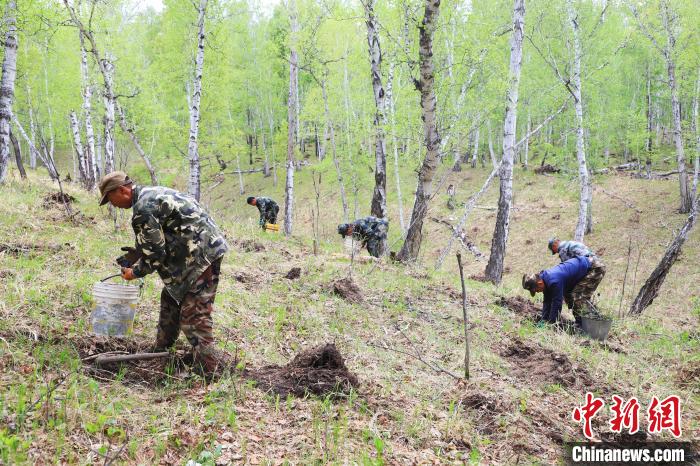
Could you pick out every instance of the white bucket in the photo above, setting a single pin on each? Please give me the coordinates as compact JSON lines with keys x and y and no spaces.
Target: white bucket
{"x":114,"y":309}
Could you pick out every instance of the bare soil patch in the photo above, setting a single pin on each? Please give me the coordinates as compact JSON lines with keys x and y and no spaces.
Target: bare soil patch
{"x":250,"y":245}
{"x":689,"y":376}
{"x":485,"y":409}
{"x":317,"y":371}
{"x":521,"y":306}
{"x":478,"y":277}
{"x":347,"y":289}
{"x":243,"y":277}
{"x":56,"y":199}
{"x":294,"y":273}
{"x":541,"y":366}
{"x":546,"y":168}
{"x":26,"y":248}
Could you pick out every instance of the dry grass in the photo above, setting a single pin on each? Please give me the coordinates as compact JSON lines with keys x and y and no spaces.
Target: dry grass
{"x":403,"y":411}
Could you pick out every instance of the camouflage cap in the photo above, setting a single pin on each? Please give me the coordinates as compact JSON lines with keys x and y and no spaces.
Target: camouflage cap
{"x":530,"y":282}
{"x":343,"y":229}
{"x":110,"y":182}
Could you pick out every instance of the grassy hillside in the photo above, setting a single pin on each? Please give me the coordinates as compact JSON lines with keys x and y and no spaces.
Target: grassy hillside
{"x":525,"y":380}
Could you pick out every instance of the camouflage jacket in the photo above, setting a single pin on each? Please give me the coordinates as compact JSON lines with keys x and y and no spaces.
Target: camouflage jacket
{"x":570,"y":249}
{"x":368,"y":228}
{"x":266,"y":206}
{"x":176,"y":237}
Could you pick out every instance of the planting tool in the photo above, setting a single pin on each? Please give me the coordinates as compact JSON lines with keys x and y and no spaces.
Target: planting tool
{"x":107,"y":358}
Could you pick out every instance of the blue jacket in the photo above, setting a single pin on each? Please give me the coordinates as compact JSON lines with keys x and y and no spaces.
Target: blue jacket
{"x":560,"y":280}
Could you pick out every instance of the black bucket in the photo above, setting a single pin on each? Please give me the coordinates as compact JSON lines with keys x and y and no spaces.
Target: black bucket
{"x":596,"y":327}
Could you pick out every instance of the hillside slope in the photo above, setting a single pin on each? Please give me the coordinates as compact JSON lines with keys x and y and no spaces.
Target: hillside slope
{"x":402,"y":340}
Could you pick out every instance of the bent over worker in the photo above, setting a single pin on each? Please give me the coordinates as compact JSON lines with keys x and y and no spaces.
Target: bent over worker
{"x":178,"y":239}
{"x":570,"y":249}
{"x":370,"y":231}
{"x":573,"y":281}
{"x":267,"y":207}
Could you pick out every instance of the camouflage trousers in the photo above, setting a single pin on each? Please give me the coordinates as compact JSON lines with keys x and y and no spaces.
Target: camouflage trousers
{"x":582,"y":293}
{"x":193,"y":317}
{"x":270,"y":216}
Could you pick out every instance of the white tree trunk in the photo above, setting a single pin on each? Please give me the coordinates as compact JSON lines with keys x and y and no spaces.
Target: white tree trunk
{"x":291,"y":123}
{"x":494,"y":268}
{"x":696,"y":167}
{"x":585,"y":187}
{"x":392,"y":111}
{"x":193,"y":184}
{"x":91,"y":165}
{"x":331,"y":128}
{"x":272,"y":148}
{"x":78,"y":146}
{"x":526,"y":150}
{"x":424,"y":191}
{"x":49,"y":166}
{"x":378,"y":207}
{"x":669,"y":19}
{"x":33,"y":155}
{"x":137,"y":145}
{"x":475,"y":154}
{"x":7,"y":86}
{"x":494,"y":161}
{"x":108,"y":70}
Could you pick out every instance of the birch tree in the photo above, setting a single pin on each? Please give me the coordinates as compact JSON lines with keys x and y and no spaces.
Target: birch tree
{"x":90,"y":158}
{"x":494,"y":268}
{"x":575,"y":88}
{"x":193,"y":184}
{"x":426,"y":86}
{"x":669,"y":21}
{"x":291,"y":122}
{"x":375,"y":58}
{"x":78,"y":146}
{"x":108,"y":96}
{"x":7,"y":86}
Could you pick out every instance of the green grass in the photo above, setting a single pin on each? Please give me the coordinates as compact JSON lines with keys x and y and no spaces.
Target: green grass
{"x":51,"y":411}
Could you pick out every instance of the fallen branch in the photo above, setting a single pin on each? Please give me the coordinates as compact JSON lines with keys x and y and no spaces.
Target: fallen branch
{"x":461,"y":235}
{"x":466,"y":320}
{"x":468,"y":207}
{"x":615,"y":196}
{"x":103,"y":359}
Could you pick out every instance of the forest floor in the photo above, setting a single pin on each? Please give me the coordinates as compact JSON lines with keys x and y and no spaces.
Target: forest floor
{"x":401,"y":335}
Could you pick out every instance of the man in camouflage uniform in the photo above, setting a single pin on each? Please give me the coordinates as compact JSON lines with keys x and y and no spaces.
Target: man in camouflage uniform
{"x":267,"y":207}
{"x":370,"y":231}
{"x":176,"y":238}
{"x":582,"y":294}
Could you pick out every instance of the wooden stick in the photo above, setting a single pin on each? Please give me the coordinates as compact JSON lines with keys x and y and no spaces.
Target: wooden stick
{"x":466,"y":320}
{"x":109,"y":358}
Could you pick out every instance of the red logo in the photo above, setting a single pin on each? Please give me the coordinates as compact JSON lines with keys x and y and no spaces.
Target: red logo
{"x":626,"y":415}
{"x":587,"y":412}
{"x":665,"y":415}
{"x":661,"y":415}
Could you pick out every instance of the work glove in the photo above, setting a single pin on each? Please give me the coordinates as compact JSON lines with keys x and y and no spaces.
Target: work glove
{"x":130,"y":258}
{"x":128,"y":273}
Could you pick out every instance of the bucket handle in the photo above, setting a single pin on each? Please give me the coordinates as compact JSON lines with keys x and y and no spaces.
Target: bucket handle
{"x":141,"y":283}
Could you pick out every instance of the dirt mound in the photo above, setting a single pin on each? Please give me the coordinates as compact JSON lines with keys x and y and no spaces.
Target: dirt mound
{"x":294,"y":273}
{"x":347,"y":289}
{"x":318,"y":371}
{"x":250,"y":245}
{"x":243,"y":277}
{"x":485,"y":410}
{"x":521,"y":306}
{"x":546,"y":168}
{"x":542,"y":366}
{"x":479,"y":278}
{"x":689,"y":376}
{"x":57,"y":198}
